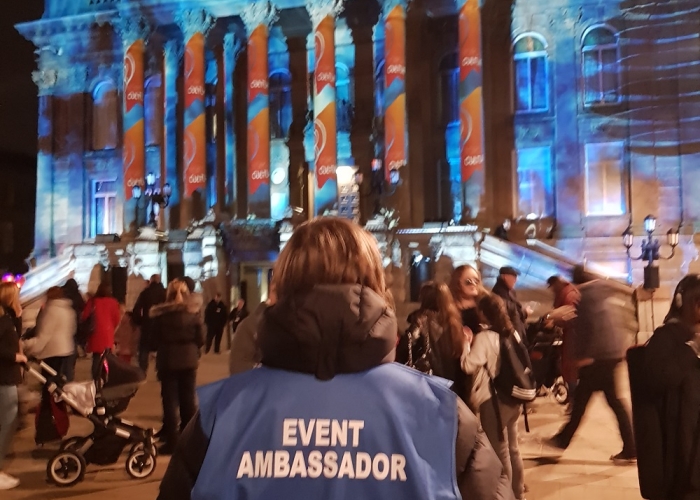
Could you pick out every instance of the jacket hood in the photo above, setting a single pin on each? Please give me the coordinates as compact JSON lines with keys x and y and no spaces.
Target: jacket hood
{"x":330,"y":330}
{"x":168,"y":307}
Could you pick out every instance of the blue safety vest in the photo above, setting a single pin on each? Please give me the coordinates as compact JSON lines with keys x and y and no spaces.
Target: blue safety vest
{"x":386,"y":433}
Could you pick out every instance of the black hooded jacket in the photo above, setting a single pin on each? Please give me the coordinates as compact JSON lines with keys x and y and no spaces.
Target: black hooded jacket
{"x":336,"y":329}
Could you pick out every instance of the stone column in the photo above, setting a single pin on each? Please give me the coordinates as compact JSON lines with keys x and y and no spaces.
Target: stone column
{"x":395,"y":128}
{"x":133,"y":32}
{"x":470,"y":107}
{"x":323,"y":14}
{"x":45,"y":79}
{"x":194,"y":24}
{"x":232,"y":47}
{"x":172,"y":54}
{"x":257,"y":17}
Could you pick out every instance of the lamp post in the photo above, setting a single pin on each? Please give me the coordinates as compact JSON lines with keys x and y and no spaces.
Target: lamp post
{"x":157,"y":195}
{"x":651,"y":250}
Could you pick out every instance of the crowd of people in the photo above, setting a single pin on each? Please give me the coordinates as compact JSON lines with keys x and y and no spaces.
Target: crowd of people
{"x":315,"y":393}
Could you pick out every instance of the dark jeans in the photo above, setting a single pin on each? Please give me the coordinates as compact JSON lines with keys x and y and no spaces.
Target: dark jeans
{"x":600,"y":376}
{"x":177,"y":389}
{"x":144,"y":353}
{"x":214,"y":334}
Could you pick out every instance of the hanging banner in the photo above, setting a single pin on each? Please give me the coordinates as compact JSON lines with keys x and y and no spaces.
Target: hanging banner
{"x":470,"y":90}
{"x":194,"y":149}
{"x":325,"y":137}
{"x":258,"y":124}
{"x":133,"y":151}
{"x":395,"y":90}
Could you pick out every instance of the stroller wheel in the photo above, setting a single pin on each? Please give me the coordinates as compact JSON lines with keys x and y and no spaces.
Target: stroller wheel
{"x":560,"y":390}
{"x":72,"y":443}
{"x":142,"y":446}
{"x":66,"y":468}
{"x":140,"y":464}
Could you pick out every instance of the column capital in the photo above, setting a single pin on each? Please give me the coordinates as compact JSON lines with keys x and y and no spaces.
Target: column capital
{"x":131,"y":28}
{"x":45,"y":80}
{"x":193,"y":21}
{"x":319,"y":9}
{"x":257,"y":13}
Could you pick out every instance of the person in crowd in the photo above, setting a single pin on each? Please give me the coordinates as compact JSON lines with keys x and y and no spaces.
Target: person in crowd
{"x":502,"y":230}
{"x":238,"y":314}
{"x":11,"y":359}
{"x":177,"y":335}
{"x":466,"y":286}
{"x":565,"y":295}
{"x":126,"y":338}
{"x":152,"y":295}
{"x":505,"y":289}
{"x":498,"y":417}
{"x":54,"y":340}
{"x":196,"y":299}
{"x":666,"y":400}
{"x":245,"y":354}
{"x":328,"y":399}
{"x":72,"y":293}
{"x":598,"y":348}
{"x":215,"y":318}
{"x":105,"y":310}
{"x":438,"y":324}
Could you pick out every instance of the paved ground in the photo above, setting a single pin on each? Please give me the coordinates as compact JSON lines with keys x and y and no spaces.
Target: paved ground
{"x":583,"y":471}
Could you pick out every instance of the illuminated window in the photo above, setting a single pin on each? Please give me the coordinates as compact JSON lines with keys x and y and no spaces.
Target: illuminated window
{"x":104,"y":206}
{"x":449,"y":89}
{"x":535,"y":195}
{"x":105,"y":114}
{"x":605,"y":165}
{"x":531,"y":73}
{"x":600,"y":67}
{"x":280,"y":104}
{"x":344,"y":98}
{"x":153,"y":111}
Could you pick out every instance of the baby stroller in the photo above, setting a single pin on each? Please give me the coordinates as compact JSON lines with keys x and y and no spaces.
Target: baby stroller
{"x":100,"y":401}
{"x":545,"y":354}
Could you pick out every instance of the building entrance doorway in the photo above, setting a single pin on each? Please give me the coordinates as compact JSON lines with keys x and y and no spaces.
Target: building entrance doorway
{"x":255,"y":283}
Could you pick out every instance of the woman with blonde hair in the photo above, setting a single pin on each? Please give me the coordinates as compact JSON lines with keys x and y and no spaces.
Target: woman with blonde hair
{"x":11,"y":359}
{"x":177,"y":336}
{"x":328,"y":401}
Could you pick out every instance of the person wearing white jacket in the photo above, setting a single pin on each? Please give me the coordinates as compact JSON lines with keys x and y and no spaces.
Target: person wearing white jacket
{"x":54,"y":343}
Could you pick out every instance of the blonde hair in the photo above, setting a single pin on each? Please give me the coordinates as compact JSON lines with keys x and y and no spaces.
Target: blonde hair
{"x":329,"y":251}
{"x":9,"y":297}
{"x":177,"y":292}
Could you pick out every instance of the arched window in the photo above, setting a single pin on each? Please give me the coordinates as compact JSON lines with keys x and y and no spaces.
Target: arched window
{"x":600,"y":66}
{"x":153,"y":111}
{"x":343,"y":98}
{"x":280,"y":104}
{"x":449,"y":89}
{"x":105,"y":113}
{"x":531,"y":73}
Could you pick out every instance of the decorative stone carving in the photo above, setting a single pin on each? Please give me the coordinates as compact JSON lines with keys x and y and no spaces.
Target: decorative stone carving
{"x":45,"y":79}
{"x":194,"y":21}
{"x":257,"y":13}
{"x":131,"y":28}
{"x":319,"y":9}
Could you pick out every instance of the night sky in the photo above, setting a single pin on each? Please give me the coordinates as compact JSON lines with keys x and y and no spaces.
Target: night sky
{"x":18,"y":94}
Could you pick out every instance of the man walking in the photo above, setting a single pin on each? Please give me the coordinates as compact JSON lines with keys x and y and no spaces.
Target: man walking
{"x":598,"y":348}
{"x":505,"y":288}
{"x":215,"y":318}
{"x":152,"y":295}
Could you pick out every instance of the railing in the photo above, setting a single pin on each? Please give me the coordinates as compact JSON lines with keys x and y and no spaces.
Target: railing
{"x":51,"y":273}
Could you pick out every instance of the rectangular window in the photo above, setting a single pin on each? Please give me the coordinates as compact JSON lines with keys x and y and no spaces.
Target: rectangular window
{"x":605,"y":177}
{"x":104,"y":207}
{"x":535,"y":194}
{"x":531,"y":84}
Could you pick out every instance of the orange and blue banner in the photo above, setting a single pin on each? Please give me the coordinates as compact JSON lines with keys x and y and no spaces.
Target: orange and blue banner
{"x":258,"y":124}
{"x":470,"y":90}
{"x":395,"y":90}
{"x":325,"y":137}
{"x":195,"y":132}
{"x":133,"y":151}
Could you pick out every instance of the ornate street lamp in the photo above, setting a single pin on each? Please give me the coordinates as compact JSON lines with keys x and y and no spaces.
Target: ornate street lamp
{"x":158,"y":196}
{"x":651,"y":250}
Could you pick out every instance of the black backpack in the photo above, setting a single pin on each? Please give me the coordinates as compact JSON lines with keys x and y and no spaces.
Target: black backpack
{"x":515,"y":383}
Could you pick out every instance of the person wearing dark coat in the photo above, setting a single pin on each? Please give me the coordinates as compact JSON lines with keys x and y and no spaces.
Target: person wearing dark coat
{"x":238,"y":314}
{"x":665,"y":386}
{"x":152,"y":295}
{"x":215,"y":318}
{"x":177,"y":336}
{"x":327,"y":344}
{"x":505,"y":288}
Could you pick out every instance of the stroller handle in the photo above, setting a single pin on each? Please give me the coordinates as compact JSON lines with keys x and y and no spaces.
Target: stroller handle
{"x":37,"y":374}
